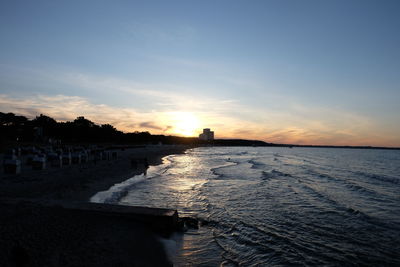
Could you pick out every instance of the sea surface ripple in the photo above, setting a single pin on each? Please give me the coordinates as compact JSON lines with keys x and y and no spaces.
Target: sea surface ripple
{"x":278,"y":206}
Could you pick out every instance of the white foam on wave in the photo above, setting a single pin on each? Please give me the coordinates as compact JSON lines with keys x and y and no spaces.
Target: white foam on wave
{"x":115,"y":193}
{"x":229,"y":163}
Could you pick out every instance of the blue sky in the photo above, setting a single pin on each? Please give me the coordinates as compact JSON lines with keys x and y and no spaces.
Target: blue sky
{"x":307,"y":72}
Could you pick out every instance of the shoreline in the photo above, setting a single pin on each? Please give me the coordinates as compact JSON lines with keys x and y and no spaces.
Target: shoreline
{"x":47,"y":236}
{"x":81,"y":182}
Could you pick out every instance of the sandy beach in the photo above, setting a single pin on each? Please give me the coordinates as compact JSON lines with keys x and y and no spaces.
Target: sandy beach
{"x":32,"y":235}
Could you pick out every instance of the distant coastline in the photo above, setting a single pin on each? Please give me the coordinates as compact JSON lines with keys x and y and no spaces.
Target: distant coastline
{"x":244,"y":142}
{"x":18,"y":131}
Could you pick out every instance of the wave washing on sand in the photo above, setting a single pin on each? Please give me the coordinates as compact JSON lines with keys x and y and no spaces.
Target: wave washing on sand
{"x":118,"y":191}
{"x":276,"y":206}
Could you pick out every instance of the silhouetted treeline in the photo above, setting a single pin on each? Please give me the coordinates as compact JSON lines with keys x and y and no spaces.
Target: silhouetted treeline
{"x":46,"y":129}
{"x":43,"y":129}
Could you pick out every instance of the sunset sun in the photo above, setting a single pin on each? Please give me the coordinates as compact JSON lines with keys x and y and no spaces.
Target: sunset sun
{"x":185,"y":124}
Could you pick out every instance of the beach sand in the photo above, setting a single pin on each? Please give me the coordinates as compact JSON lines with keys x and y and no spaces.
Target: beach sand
{"x":33,"y":235}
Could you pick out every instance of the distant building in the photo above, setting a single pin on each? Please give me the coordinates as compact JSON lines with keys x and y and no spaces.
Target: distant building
{"x":207,"y":135}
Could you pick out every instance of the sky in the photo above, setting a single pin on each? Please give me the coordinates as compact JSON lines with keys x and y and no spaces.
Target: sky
{"x":285,"y":71}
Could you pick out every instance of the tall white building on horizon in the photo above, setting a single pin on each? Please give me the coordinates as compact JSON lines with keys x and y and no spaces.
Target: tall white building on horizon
{"x":207,"y":135}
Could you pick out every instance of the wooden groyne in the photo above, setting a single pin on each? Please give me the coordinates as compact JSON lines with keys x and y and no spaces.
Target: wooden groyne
{"x":164,"y":221}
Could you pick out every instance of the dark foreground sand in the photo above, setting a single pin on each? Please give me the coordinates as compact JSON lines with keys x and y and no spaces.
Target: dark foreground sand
{"x":32,"y":235}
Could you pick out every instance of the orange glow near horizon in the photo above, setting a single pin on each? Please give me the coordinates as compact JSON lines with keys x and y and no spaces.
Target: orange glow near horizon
{"x":184,"y":124}
{"x":349,"y":130}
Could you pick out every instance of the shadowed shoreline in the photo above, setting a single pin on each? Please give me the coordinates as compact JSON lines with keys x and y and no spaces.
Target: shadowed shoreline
{"x":34,"y":235}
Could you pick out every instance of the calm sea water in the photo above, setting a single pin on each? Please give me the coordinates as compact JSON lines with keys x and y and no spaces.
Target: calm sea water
{"x":277,"y":206}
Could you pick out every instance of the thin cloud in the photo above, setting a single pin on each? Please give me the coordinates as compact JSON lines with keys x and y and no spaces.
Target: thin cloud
{"x":64,"y":108}
{"x":149,"y":125}
{"x":140,"y":31}
{"x":167,"y":128}
{"x":295,"y":123}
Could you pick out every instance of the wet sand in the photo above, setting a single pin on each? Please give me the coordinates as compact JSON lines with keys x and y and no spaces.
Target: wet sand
{"x":32,"y":235}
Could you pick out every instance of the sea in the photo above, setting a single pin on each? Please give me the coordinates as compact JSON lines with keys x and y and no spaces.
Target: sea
{"x":276,"y":206}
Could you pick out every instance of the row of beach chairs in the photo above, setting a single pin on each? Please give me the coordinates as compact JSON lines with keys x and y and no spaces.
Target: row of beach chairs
{"x":40,"y":158}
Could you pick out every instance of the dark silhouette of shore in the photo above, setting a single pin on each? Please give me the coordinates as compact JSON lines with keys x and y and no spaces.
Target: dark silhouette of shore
{"x":16,"y":130}
{"x":241,"y":142}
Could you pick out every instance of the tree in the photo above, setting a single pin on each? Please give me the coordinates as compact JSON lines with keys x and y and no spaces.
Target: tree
{"x":10,"y":119}
{"x":82,"y":122}
{"x":44,"y":121}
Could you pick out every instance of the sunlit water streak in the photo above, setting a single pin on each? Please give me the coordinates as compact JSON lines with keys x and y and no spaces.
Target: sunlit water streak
{"x":277,"y":206}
